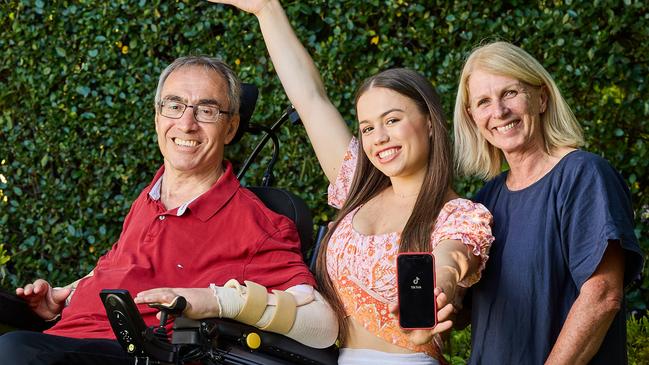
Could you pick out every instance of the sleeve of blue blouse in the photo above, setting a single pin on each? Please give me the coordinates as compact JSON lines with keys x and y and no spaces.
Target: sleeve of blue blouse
{"x":337,"y":192}
{"x":596,"y":209}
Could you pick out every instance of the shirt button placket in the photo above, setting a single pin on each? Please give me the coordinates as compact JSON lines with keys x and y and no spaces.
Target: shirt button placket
{"x":154,"y":229}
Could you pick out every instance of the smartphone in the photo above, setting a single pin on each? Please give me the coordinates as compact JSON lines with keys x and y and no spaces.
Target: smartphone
{"x":416,"y":285}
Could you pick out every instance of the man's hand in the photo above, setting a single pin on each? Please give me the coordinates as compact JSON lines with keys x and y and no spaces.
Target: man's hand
{"x":444,"y":312}
{"x":251,"y":6}
{"x":201,"y":302}
{"x":45,"y":301}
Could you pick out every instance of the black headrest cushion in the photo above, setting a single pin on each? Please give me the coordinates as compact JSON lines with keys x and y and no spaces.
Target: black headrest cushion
{"x":249,"y":94}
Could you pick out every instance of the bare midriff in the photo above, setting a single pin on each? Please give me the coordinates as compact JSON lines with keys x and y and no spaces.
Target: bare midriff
{"x":360,"y":338}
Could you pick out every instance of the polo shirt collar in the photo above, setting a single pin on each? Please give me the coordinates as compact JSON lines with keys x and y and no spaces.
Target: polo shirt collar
{"x":210,"y":202}
{"x":155,"y":194}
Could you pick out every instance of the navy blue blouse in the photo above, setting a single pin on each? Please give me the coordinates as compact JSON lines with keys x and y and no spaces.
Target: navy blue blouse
{"x":550,"y":238}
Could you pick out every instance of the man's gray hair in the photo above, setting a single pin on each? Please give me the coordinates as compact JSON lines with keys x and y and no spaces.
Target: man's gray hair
{"x":210,"y":64}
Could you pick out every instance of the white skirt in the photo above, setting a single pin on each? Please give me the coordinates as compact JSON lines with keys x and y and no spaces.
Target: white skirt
{"x":372,"y":357}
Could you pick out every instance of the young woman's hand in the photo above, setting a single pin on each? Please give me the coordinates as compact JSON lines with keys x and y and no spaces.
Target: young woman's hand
{"x":446,"y":279}
{"x":250,"y":6}
{"x":444,"y":323}
{"x":327,"y":130}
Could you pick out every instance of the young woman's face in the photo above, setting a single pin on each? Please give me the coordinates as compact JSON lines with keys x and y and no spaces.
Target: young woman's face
{"x":506,"y":111}
{"x":395,"y":134}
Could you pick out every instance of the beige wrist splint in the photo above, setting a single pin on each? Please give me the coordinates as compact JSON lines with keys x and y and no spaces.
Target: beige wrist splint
{"x":254,"y":305}
{"x":284,"y":315}
{"x":256,"y":302}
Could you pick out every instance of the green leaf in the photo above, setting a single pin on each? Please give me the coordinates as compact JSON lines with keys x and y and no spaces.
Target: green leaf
{"x":83,"y":90}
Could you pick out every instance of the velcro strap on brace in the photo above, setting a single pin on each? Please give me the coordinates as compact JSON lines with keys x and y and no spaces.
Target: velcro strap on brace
{"x":284,"y":315}
{"x":255,"y":304}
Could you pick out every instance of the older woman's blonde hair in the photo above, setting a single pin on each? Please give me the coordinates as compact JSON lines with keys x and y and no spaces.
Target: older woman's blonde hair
{"x":473,"y":154}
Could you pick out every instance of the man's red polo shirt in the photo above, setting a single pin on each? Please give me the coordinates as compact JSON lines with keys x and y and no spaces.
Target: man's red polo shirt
{"x":226,"y":233}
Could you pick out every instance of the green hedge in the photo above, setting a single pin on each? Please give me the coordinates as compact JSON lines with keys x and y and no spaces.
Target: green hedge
{"x":77,"y":80}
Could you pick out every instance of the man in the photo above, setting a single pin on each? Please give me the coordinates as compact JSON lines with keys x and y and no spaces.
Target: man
{"x":194,"y":226}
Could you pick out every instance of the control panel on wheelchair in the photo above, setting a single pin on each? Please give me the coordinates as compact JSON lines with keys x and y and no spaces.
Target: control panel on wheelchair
{"x":215,"y":340}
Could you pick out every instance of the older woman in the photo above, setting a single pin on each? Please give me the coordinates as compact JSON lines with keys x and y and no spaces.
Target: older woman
{"x":553,"y":289}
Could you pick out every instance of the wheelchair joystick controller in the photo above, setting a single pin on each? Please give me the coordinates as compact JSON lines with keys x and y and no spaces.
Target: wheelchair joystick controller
{"x":175,"y":308}
{"x":132,"y":333}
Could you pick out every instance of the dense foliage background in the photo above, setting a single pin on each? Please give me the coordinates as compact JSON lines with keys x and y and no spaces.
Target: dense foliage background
{"x":77,"y":81}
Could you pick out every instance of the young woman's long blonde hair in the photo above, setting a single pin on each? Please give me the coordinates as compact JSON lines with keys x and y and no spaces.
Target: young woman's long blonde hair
{"x":473,"y":154}
{"x":369,"y":181}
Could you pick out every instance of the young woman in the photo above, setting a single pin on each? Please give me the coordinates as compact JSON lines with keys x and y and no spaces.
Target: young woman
{"x":392,"y":184}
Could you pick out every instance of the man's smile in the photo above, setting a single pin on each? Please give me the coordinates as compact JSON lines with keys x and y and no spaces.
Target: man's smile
{"x":185,"y":143}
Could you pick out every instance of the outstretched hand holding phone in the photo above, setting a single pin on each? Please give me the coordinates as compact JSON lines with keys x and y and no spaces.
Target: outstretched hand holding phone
{"x":423,"y":309}
{"x":444,"y":322}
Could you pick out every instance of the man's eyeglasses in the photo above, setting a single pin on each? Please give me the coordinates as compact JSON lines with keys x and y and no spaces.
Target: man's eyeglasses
{"x":206,"y":113}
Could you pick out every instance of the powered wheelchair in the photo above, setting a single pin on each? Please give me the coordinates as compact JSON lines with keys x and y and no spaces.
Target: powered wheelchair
{"x":214,"y":340}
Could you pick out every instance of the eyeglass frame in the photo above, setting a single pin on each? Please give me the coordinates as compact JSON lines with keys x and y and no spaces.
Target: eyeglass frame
{"x":194,"y":110}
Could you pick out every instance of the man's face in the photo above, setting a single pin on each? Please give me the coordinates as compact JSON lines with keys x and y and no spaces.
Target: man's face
{"x":190,"y":147}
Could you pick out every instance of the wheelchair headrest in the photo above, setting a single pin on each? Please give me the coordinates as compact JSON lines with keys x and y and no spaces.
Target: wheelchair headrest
{"x":249,"y":94}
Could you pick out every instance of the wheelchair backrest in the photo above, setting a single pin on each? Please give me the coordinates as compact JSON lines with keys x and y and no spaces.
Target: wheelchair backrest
{"x":278,"y":200}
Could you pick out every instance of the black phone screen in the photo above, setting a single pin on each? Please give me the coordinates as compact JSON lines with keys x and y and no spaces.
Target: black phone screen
{"x":416,"y":283}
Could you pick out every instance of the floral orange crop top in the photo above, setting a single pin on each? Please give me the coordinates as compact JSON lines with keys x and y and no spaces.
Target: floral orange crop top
{"x":363,"y":268}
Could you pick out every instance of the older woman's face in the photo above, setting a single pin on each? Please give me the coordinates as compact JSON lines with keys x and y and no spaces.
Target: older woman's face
{"x":507,"y":111}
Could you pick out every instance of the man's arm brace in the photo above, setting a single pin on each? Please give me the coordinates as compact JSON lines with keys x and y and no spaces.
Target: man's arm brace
{"x":299,"y":313}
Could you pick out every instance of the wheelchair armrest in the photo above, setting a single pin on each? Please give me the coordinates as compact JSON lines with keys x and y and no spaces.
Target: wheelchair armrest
{"x":15,"y":314}
{"x":228,"y":334}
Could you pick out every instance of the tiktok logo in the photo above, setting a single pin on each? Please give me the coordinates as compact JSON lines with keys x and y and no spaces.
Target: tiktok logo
{"x":416,"y":281}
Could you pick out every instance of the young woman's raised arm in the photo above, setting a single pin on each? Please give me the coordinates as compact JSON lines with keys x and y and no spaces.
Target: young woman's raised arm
{"x":325,"y":126}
